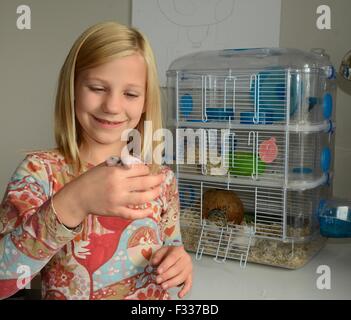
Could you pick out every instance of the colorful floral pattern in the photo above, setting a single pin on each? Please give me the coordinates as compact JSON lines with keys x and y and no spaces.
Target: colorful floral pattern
{"x":103,"y":258}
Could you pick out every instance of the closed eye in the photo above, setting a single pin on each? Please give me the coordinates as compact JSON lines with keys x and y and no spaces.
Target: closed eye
{"x":131,"y":95}
{"x":97,"y":89}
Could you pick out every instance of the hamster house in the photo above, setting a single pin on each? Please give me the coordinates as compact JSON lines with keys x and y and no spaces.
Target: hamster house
{"x":254,"y":152}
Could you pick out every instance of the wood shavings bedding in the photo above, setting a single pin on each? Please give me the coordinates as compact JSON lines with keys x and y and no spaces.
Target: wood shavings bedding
{"x":272,"y":252}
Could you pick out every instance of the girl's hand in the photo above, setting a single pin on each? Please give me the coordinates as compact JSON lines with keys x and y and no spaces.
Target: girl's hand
{"x":108,"y":191}
{"x":174,"y":268}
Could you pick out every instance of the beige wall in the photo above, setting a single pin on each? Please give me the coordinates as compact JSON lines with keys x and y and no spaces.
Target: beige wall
{"x":29,"y":64}
{"x":30,"y":61}
{"x":298,"y":30}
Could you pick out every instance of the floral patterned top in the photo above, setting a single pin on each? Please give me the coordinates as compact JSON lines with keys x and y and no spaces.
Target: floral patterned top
{"x":103,"y":258}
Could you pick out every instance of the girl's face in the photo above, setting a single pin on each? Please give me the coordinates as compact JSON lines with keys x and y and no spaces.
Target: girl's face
{"x":110,"y":99}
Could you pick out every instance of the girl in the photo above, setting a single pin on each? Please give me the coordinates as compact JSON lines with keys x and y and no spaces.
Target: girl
{"x":96,"y":231}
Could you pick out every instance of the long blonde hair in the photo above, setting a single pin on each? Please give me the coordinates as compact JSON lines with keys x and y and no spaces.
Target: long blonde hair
{"x":97,"y":45}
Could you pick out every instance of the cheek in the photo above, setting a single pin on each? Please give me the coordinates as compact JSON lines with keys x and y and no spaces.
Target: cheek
{"x":83,"y":107}
{"x":135,"y":112}
{"x":84,"y":103}
{"x":80,"y":109}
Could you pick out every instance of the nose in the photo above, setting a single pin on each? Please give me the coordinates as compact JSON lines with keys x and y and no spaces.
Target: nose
{"x":113,"y":103}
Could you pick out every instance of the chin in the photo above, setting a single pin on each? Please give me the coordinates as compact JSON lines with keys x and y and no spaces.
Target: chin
{"x":109,"y":141}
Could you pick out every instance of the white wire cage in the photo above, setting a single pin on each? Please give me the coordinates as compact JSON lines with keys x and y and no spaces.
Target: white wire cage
{"x":258,"y":123}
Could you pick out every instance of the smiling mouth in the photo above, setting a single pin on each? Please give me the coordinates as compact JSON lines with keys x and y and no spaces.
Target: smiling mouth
{"x":107,"y":121}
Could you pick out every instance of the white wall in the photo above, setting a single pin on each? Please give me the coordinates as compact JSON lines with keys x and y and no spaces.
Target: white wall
{"x":298,"y":30}
{"x":29,"y":64}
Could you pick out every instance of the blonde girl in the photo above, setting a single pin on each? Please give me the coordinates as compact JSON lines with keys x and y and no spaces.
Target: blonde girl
{"x":92,"y":230}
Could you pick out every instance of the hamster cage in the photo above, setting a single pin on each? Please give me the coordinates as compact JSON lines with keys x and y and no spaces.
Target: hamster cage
{"x":254,"y":131}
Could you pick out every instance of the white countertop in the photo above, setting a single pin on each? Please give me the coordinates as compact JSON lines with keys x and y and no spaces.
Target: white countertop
{"x":228,"y":281}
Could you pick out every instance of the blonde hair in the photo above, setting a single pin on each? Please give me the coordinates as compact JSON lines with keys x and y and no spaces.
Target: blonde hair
{"x":97,"y":45}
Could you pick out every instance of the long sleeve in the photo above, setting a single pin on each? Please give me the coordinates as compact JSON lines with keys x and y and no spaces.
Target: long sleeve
{"x":30,"y":234}
{"x":170,"y":224}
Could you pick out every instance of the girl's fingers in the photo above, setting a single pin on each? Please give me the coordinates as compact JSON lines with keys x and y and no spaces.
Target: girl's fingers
{"x":170,"y":273}
{"x":145,"y":183}
{"x":171,"y":259}
{"x":186,"y":287}
{"x":136,"y":170}
{"x":139,"y":198}
{"x":175,"y":281}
